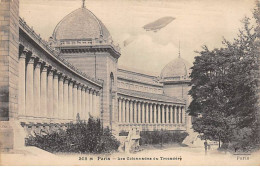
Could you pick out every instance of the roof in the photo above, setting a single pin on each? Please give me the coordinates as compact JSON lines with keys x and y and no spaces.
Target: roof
{"x":80,"y":24}
{"x":176,"y":68}
{"x":150,"y":96}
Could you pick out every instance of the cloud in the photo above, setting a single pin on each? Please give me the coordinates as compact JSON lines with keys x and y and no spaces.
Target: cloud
{"x":151,"y":56}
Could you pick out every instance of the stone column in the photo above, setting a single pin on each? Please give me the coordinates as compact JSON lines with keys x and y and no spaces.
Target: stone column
{"x":159,"y":114}
{"x":98,"y":105}
{"x":44,"y":91}
{"x":70,"y":109}
{"x":143,"y":113}
{"x":123,"y":110}
{"x":182,"y":115}
{"x":167,"y":113}
{"x":94,"y":104}
{"x":50,"y":93}
{"x":175,"y":114}
{"x":147,"y":113}
{"x":29,"y":87}
{"x":178,"y":115}
{"x":61,"y":97}
{"x":154,"y":114}
{"x":79,"y":101}
{"x":127,"y":111}
{"x":21,"y":86}
{"x":139,"y":112}
{"x":90,"y":102}
{"x":83,"y":103}
{"x":55,"y":95}
{"x":75,"y":100}
{"x":131,"y":111}
{"x":135,"y":112}
{"x":170,"y":121}
{"x":66,"y":99}
{"x":87,"y":103}
{"x":37,"y":88}
{"x":163,"y":114}
{"x":151,"y":113}
{"x":119,"y":110}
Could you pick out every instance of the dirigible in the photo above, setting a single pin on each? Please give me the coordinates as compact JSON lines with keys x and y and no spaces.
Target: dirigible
{"x":158,"y":24}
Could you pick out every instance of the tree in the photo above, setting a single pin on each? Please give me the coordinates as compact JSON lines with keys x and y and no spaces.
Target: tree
{"x":224,"y":87}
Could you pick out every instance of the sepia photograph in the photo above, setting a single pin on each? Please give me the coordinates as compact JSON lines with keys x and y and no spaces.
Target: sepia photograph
{"x":129,"y":83}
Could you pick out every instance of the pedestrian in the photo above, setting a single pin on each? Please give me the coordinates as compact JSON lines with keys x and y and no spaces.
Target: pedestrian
{"x":206,"y":146}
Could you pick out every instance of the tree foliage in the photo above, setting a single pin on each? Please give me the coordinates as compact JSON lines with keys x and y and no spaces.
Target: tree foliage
{"x":224,"y":86}
{"x":80,"y":137}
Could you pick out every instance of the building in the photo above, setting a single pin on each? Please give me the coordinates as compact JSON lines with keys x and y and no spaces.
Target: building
{"x":45,"y":85}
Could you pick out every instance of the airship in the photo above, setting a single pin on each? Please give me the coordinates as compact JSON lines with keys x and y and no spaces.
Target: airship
{"x":158,"y":24}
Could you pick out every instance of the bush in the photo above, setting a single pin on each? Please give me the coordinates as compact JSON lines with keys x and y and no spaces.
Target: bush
{"x":159,"y":137}
{"x":80,"y":137}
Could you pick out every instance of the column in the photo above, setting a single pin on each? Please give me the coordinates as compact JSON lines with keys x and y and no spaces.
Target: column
{"x":98,"y":105}
{"x":79,"y":101}
{"x":123,"y":110}
{"x":61,"y":113}
{"x":29,"y":87}
{"x":167,"y":113}
{"x":163,"y":114}
{"x":139,"y":112}
{"x":170,"y":114}
{"x":175,"y":114}
{"x":94,"y":104}
{"x":181,"y":114}
{"x":159,"y":114}
{"x":50,"y":93}
{"x":147,"y":113}
{"x":75,"y":98}
{"x":178,"y":115}
{"x":151,"y":113}
{"x":70,"y":110}
{"x":127,"y":111}
{"x":66,"y":99}
{"x":90,"y":103}
{"x":135,"y":112}
{"x":143,"y":113}
{"x":119,"y":110}
{"x":154,"y":114}
{"x":21,"y":86}
{"x":131,"y":111}
{"x":83,"y":103}
{"x":55,"y":95}
{"x":87,"y":104}
{"x":37,"y":88}
{"x":44,"y":91}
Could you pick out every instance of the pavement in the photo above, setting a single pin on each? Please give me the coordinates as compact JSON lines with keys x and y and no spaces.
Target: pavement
{"x":167,"y":155}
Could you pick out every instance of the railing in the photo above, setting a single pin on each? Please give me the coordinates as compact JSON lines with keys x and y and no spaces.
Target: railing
{"x":153,"y":126}
{"x":44,"y":44}
{"x":91,"y":42}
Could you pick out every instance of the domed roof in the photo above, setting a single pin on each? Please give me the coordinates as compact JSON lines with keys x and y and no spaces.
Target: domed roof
{"x":176,"y":68}
{"x":80,"y":24}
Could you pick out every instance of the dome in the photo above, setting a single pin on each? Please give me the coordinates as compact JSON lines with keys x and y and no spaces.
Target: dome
{"x":176,"y":68}
{"x":80,"y":24}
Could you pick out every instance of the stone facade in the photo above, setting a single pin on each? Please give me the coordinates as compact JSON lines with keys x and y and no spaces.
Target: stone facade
{"x":45,"y":85}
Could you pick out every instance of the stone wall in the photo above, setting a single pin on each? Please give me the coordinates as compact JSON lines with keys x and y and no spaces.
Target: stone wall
{"x":9,"y":27}
{"x":9,"y":49}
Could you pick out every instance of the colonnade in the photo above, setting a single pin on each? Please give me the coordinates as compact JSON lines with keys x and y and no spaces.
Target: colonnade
{"x":45,"y":92}
{"x":141,"y":111}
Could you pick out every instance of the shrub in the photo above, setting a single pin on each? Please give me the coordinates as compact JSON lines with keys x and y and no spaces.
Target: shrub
{"x":159,"y":137}
{"x":80,"y":137}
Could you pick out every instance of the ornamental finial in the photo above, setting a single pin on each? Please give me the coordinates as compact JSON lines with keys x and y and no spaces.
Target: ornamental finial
{"x":83,"y":3}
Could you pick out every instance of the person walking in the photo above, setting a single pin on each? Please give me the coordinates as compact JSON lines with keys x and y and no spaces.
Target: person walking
{"x":206,"y":146}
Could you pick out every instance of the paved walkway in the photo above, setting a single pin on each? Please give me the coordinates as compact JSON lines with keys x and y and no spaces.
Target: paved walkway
{"x":167,"y":155}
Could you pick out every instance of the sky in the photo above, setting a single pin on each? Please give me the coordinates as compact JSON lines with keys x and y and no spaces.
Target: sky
{"x":197,"y":23}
